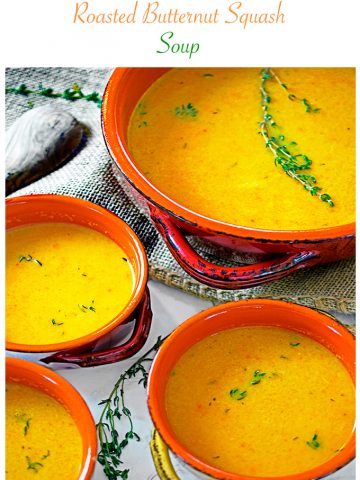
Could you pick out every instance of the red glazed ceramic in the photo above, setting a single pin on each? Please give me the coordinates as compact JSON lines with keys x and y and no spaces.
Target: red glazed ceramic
{"x":87,"y":351}
{"x":260,"y":312}
{"x":52,"y":384}
{"x":281,"y":252}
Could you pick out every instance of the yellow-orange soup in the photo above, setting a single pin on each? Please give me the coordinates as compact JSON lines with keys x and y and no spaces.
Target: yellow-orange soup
{"x":63,"y":281}
{"x":195,"y":135}
{"x":42,"y":439}
{"x":261,"y":401}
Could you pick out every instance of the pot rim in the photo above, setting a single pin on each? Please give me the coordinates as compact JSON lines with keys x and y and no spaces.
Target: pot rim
{"x":117,"y":146}
{"x":154,"y":400}
{"x":62,"y":391}
{"x":140,"y":276}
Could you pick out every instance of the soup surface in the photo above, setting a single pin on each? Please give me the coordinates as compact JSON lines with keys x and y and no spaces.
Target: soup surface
{"x":63,"y":281}
{"x":261,"y":401}
{"x":41,"y":436}
{"x":209,"y":156}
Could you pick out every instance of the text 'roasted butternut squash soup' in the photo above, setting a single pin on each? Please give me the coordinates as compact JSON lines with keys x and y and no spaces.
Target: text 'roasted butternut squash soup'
{"x":63,"y":281}
{"x":271,"y":149}
{"x":261,"y":401}
{"x":41,"y":436}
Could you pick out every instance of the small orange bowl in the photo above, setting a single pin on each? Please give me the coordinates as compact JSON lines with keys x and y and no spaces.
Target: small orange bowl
{"x":256,"y":312}
{"x":32,"y":209}
{"x":49,"y":382}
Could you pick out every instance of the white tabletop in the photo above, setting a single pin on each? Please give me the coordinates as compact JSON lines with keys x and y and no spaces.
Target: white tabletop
{"x":170,"y":308}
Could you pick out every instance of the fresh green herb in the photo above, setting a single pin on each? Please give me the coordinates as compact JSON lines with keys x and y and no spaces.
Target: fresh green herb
{"x":292,"y":163}
{"x":186,"y":111}
{"x":33,"y":465}
{"x":207,"y":75}
{"x":72,"y":94}
{"x":295,"y":344}
{"x":23,"y":418}
{"x":29,"y":258}
{"x":55,"y":323}
{"x":237,"y":395}
{"x":240,"y":395}
{"x":257,"y":377}
{"x":45,"y":456}
{"x":111,"y":448}
{"x":314,"y":442}
{"x":27,"y":426}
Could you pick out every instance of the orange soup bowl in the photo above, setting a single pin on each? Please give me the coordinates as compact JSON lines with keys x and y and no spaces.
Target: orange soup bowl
{"x":255,"y":312}
{"x":95,"y":348}
{"x":51,"y":383}
{"x":279,"y":253}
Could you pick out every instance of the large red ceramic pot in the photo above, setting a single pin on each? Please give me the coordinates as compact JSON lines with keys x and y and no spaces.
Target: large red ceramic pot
{"x":280,"y":252}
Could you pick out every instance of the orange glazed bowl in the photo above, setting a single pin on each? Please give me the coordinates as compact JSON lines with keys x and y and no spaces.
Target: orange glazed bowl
{"x":279,"y":252}
{"x":255,"y":312}
{"x":88,"y":350}
{"x":50,"y":383}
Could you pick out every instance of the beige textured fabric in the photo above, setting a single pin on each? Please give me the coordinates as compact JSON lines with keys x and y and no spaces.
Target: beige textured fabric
{"x":90,"y":175}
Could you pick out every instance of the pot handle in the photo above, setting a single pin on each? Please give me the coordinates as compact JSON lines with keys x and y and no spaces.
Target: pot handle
{"x":143,"y":318}
{"x":230,"y":278}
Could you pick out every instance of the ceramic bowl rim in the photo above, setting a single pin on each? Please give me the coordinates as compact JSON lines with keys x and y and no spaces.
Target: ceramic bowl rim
{"x":140,"y":276}
{"x":59,"y":384}
{"x":323,"y":470}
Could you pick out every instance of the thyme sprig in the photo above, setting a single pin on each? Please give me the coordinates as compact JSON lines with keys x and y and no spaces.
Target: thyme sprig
{"x":111,"y":447}
{"x":292,"y":164}
{"x":291,"y":96}
{"x":72,"y":94}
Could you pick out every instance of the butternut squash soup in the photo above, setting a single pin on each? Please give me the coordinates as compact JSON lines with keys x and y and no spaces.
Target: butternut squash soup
{"x":271,"y":149}
{"x":63,"y":281}
{"x":41,"y":436}
{"x":261,"y":401}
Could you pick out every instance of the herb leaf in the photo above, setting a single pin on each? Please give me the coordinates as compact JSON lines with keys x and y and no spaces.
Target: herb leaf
{"x":29,"y":258}
{"x":33,"y":465}
{"x":186,"y":111}
{"x":314,"y":442}
{"x":55,"y":323}
{"x":85,"y":308}
{"x":257,"y":377}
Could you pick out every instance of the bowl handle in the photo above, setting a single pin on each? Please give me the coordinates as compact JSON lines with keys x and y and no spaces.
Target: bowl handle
{"x":230,"y":278}
{"x":142,"y":316}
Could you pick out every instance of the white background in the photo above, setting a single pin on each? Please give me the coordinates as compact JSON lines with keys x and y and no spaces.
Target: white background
{"x":316,"y":33}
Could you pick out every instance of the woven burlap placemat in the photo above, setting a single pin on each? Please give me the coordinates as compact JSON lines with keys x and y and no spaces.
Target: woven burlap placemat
{"x":89,"y":175}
